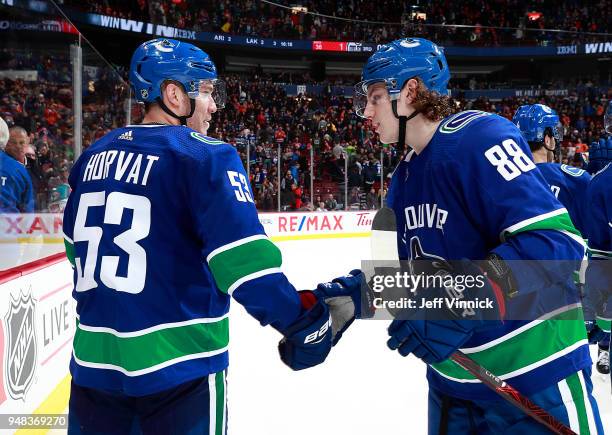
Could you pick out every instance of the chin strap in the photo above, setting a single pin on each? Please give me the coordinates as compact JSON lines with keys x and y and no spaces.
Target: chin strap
{"x":403,"y":120}
{"x":182,"y":119}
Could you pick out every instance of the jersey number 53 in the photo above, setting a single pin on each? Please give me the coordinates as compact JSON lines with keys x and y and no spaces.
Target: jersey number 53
{"x":240,"y":185}
{"x":115,"y":204}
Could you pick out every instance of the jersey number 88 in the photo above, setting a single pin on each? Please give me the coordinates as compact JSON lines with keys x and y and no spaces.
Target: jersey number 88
{"x":510,"y":161}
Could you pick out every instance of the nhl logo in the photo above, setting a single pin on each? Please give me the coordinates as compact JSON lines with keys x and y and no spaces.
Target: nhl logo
{"x":21,"y":356}
{"x":144,"y":93}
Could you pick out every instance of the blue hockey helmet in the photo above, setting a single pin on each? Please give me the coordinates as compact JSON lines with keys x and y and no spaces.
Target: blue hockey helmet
{"x":162,"y":59}
{"x":521,"y":117}
{"x":533,"y":121}
{"x":397,"y":62}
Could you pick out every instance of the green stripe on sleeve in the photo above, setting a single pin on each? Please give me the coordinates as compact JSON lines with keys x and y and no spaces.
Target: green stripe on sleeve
{"x":560,"y":222}
{"x":235,"y":263}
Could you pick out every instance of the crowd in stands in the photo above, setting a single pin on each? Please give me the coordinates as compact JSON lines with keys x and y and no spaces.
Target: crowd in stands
{"x":516,"y":22}
{"x":318,"y":135}
{"x":259,"y":115}
{"x":43,"y":107}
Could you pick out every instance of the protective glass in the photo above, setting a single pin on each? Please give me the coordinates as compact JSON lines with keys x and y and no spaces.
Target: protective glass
{"x":558,"y":132}
{"x":372,"y":92}
{"x":608,"y":118}
{"x":214,"y":89}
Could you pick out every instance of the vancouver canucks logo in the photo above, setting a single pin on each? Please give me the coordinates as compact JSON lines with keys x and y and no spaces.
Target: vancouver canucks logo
{"x":192,"y":86}
{"x":432,"y":265}
{"x":165,"y":46}
{"x":460,"y":120}
{"x":206,"y":139}
{"x":418,"y":254}
{"x":409,"y":43}
{"x":570,"y":170}
{"x":144,"y":93}
{"x":21,"y":356}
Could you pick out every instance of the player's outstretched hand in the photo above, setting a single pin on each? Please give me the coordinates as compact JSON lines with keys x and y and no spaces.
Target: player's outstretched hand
{"x":307,"y":342}
{"x":343,"y":297}
{"x":430,"y":340}
{"x":329,"y":311}
{"x":435,"y":336}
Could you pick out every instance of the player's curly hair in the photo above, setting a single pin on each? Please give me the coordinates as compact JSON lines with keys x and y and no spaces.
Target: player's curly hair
{"x":431,"y":104}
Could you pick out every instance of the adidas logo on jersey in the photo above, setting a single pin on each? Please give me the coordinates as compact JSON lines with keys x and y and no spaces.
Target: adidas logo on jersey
{"x":126,"y":136}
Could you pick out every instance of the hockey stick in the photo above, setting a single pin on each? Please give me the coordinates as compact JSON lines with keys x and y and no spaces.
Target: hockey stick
{"x":384,"y":247}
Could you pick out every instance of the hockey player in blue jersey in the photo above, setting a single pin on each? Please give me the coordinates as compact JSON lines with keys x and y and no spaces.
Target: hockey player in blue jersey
{"x":599,"y":272}
{"x":540,"y":126}
{"x":598,"y":198}
{"x":162,"y":230}
{"x":468,"y":190}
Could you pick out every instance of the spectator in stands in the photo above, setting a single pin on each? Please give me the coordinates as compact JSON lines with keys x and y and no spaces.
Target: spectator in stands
{"x":297,"y":196}
{"x":286,"y":187}
{"x":39,"y":182}
{"x":354,"y":177}
{"x":268,"y":193}
{"x":325,"y":123}
{"x":337,"y":151}
{"x":370,"y":170}
{"x":330,"y":203}
{"x":382,"y":197}
{"x":580,"y":147}
{"x":258,"y":178}
{"x":372,"y":200}
{"x":354,"y":198}
{"x":248,"y":17}
{"x":18,"y":144}
{"x":16,"y":191}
